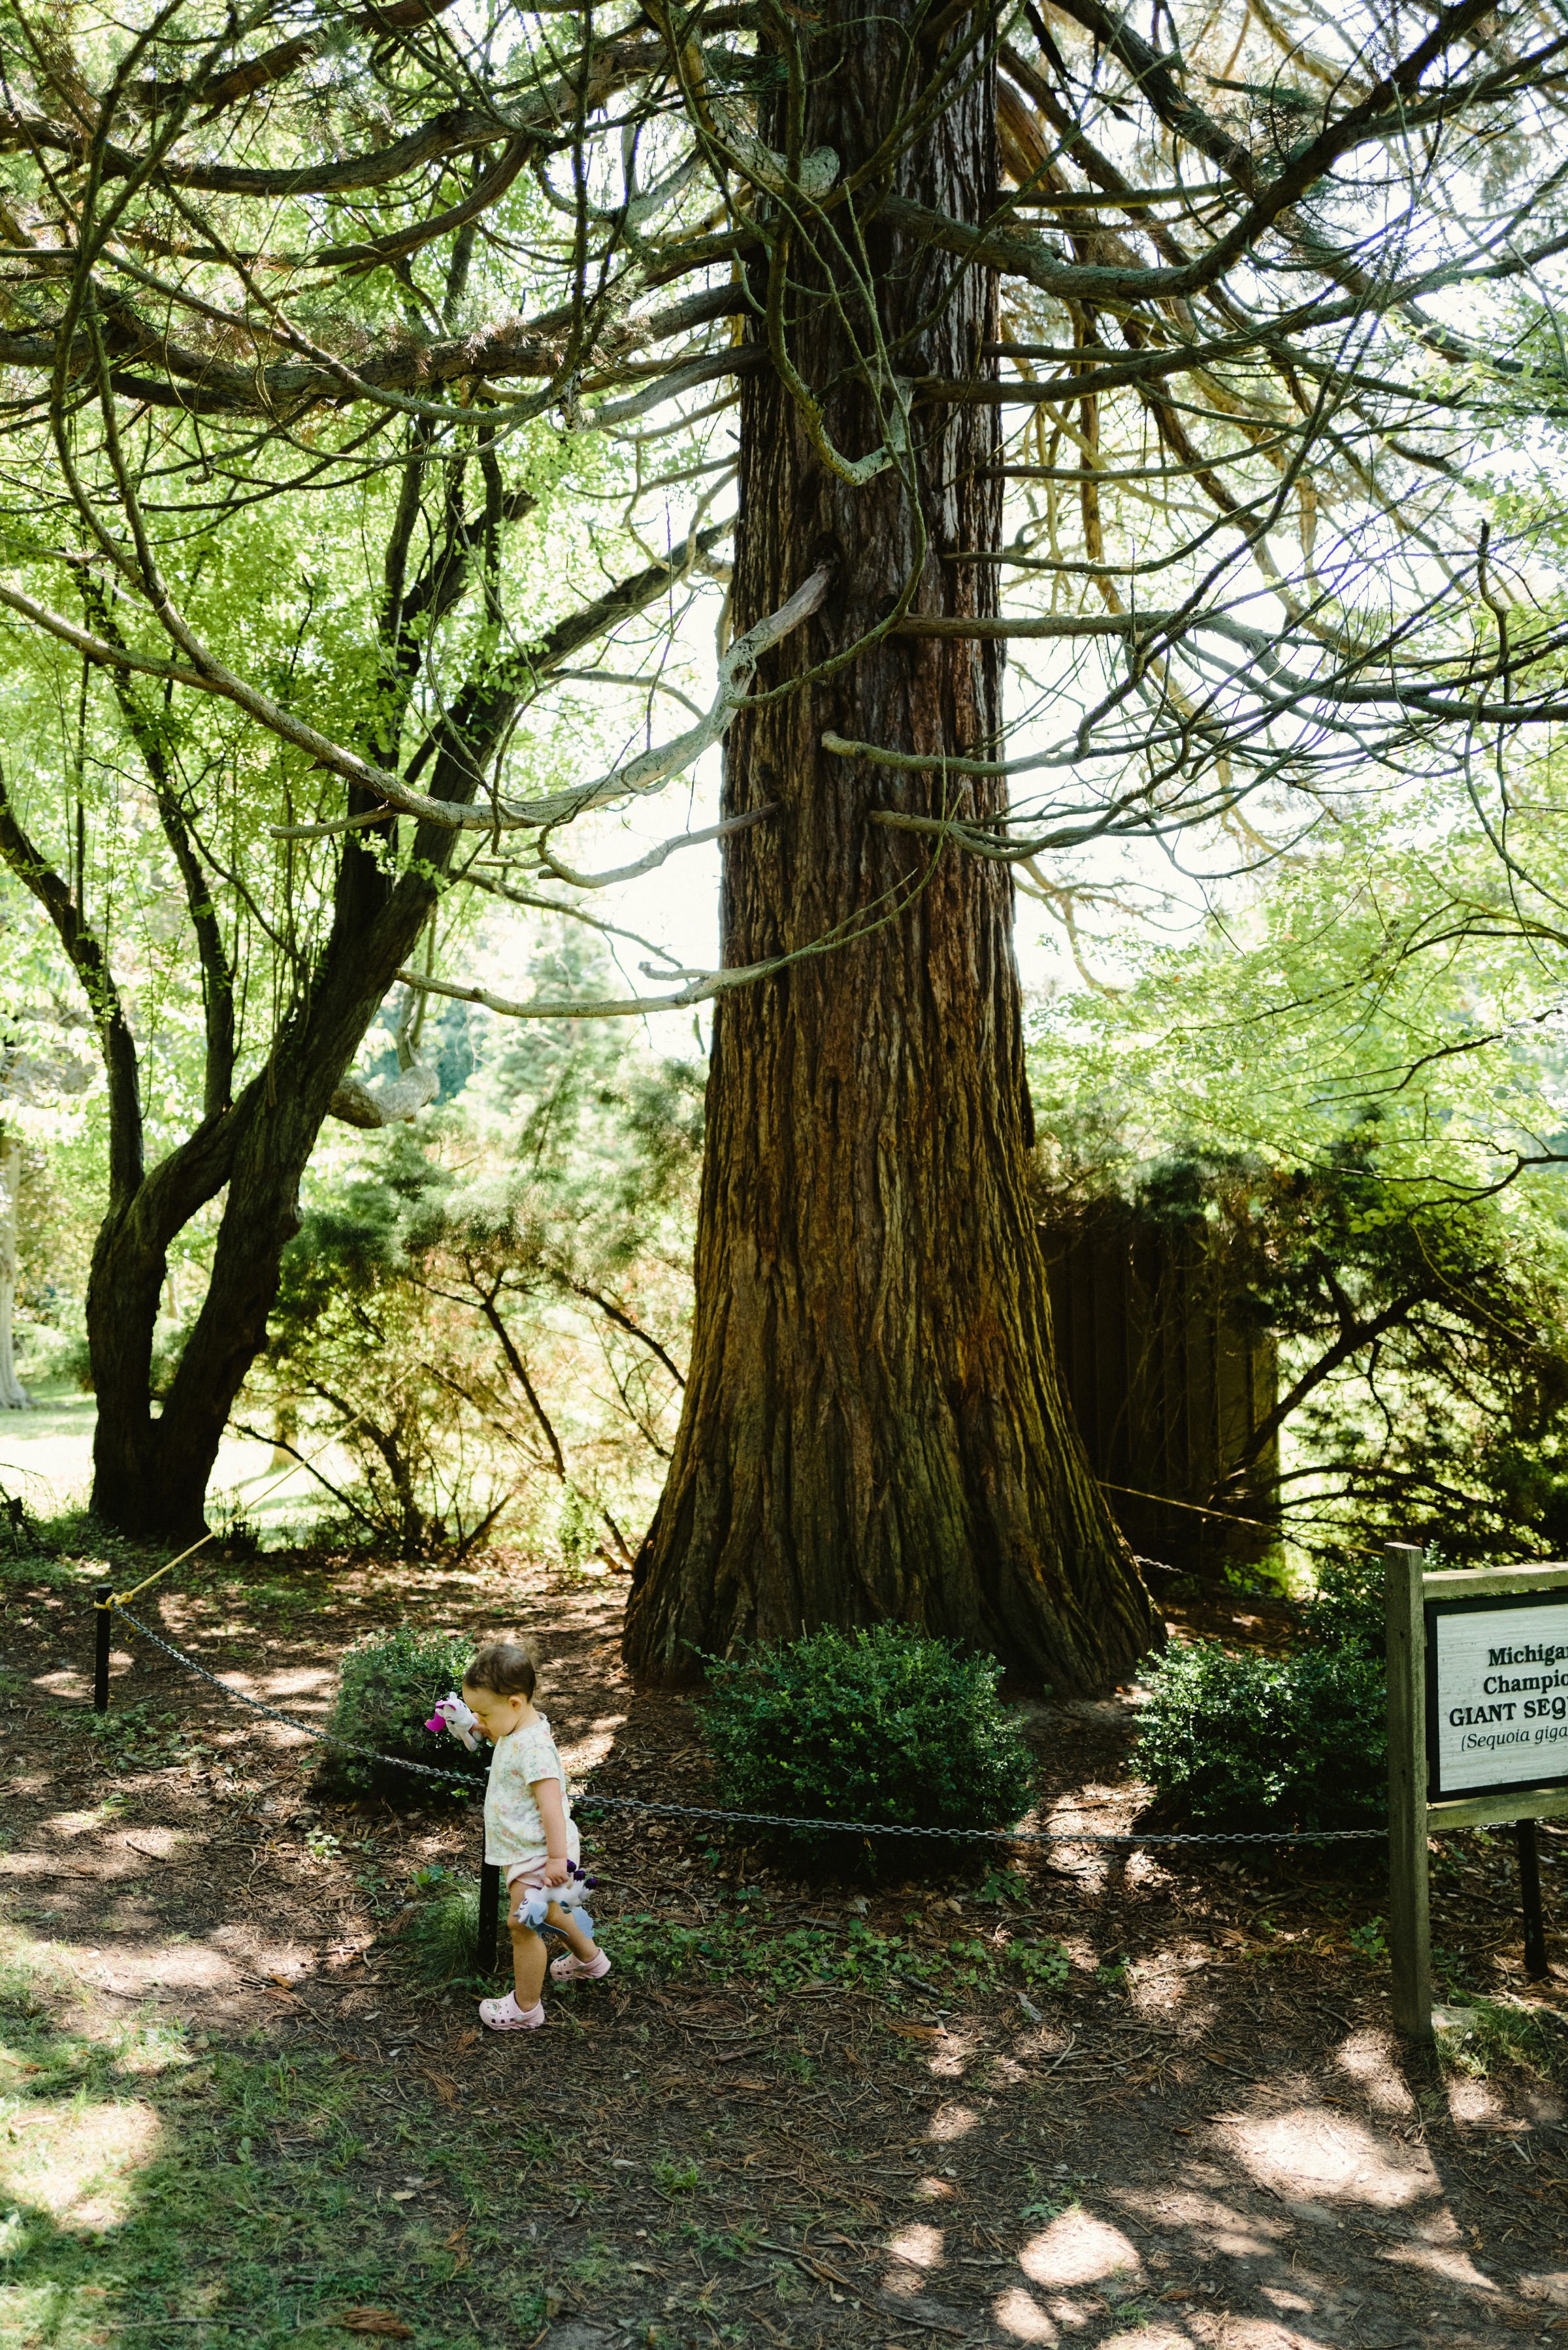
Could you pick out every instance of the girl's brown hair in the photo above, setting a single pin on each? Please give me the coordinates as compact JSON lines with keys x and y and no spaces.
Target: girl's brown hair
{"x":507,"y":1668}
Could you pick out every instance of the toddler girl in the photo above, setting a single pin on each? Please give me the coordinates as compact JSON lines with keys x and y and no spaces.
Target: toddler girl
{"x":529,"y":1830}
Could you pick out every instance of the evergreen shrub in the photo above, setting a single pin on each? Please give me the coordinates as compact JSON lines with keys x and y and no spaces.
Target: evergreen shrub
{"x":884,"y":1725}
{"x":1247,"y":1741}
{"x":388,"y":1688}
{"x":1347,"y":1611}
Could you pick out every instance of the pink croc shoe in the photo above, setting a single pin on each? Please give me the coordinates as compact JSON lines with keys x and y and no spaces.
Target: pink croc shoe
{"x":571,"y":1968}
{"x":506,"y":2015}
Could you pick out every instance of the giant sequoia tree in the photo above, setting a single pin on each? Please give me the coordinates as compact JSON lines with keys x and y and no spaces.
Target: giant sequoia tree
{"x":1195,"y":342}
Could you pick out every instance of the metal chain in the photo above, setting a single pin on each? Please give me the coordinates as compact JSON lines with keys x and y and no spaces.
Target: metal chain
{"x":758,"y":1819}
{"x":425,"y":1769}
{"x":980,"y":1835}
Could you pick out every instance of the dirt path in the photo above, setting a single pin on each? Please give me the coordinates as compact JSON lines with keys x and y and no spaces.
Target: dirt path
{"x":1102,"y":2103}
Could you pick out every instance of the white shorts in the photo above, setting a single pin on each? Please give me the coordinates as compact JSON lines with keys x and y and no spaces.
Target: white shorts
{"x":530,"y":1869}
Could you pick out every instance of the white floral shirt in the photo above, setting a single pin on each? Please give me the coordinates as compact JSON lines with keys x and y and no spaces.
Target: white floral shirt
{"x":513,"y":1829}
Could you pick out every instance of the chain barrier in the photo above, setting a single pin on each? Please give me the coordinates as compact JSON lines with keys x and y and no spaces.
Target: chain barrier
{"x":586,"y":1800}
{"x":323,"y":1737}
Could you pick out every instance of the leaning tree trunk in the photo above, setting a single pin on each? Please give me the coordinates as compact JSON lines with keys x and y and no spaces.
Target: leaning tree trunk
{"x":873,"y":1427}
{"x":150,"y":1470}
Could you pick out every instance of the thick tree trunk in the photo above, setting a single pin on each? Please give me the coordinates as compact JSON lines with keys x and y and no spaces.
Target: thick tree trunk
{"x":873,"y":1427}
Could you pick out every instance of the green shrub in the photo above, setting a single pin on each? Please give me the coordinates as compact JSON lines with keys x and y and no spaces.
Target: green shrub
{"x":1347,"y":1609}
{"x":388,"y":1688}
{"x":1254,"y":1741}
{"x":49,"y":1357}
{"x":883,"y":1725}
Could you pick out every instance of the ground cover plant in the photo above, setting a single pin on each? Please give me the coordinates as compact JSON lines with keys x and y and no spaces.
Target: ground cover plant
{"x":1130,"y":2098}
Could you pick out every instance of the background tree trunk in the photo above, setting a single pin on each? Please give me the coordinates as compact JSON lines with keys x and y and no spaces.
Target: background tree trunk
{"x":873,"y":1427}
{"x":14,"y":1395}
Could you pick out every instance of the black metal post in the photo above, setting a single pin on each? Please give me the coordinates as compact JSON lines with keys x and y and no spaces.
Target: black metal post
{"x":489,"y":1913}
{"x":103,"y":1623}
{"x":1530,"y":1896}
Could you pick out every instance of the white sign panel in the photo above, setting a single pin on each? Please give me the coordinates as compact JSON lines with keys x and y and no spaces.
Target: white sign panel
{"x":1497,"y":1695}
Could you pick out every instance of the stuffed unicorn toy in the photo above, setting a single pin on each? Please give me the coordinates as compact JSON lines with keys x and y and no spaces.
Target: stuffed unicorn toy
{"x":460,"y":1719}
{"x":533,"y":1909}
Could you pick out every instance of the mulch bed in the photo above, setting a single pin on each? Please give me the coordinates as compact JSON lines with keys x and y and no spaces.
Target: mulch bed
{"x":1206,"y":2134}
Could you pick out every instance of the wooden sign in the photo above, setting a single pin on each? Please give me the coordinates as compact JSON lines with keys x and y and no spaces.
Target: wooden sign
{"x":1478,"y":1735}
{"x":1497,"y":1693}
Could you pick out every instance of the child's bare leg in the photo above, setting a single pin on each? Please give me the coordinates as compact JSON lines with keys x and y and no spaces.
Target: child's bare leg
{"x":582,"y":1943}
{"x":529,"y":1957}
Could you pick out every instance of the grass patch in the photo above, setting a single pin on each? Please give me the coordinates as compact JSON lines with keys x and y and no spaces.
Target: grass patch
{"x":39,"y":1569}
{"x":158,"y":2190}
{"x":676,"y":2177}
{"x":442,"y":1936}
{"x":1502,"y":2036}
{"x":744,"y":1943}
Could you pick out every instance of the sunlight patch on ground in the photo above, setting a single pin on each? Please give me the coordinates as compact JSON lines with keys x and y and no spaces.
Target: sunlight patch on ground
{"x":1020,"y":2315}
{"x":1157,"y":2338}
{"x":953,"y":2122}
{"x":1295,"y":2304}
{"x":1078,"y":2249}
{"x":75,"y":1823}
{"x":1445,"y":2266}
{"x":152,"y":2048}
{"x":30,"y":1967}
{"x":913,"y":2251}
{"x":917,"y":2247}
{"x":1239,"y":2333}
{"x":260,"y":1683}
{"x":35,"y":1868}
{"x":1473,"y":2098}
{"x":1215,"y":2224}
{"x":70,"y":1681}
{"x":1546,"y":2284}
{"x":583,"y":1753}
{"x":62,"y":2316}
{"x":140,"y":1971}
{"x":154,"y":1843}
{"x":1372,"y":2063}
{"x":163,"y":1966}
{"x":77,"y":2163}
{"x":1439,"y":2227}
{"x":298,"y":1681}
{"x":933,"y":2191}
{"x":1310,"y":2152}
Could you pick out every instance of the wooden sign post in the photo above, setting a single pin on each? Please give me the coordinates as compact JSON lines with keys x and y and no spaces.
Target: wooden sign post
{"x":1478,"y":1735}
